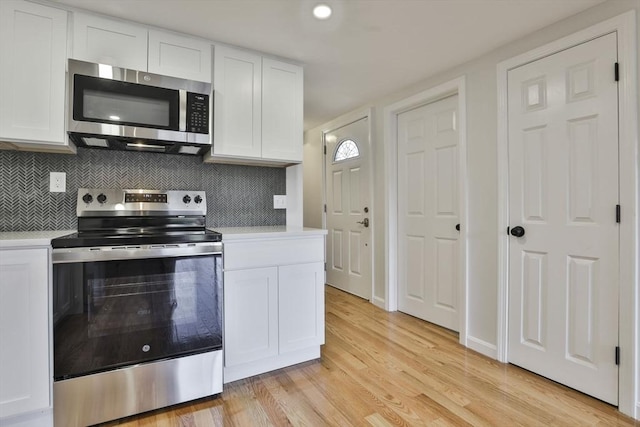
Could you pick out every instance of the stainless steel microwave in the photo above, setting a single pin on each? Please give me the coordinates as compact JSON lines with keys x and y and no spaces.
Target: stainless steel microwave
{"x":123,"y":109}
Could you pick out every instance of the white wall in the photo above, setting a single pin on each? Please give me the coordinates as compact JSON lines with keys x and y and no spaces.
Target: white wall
{"x":295,"y":202}
{"x":482,"y":167}
{"x":313,"y":186}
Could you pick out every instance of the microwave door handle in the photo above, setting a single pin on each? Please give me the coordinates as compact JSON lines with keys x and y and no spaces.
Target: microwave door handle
{"x":182,"y":124}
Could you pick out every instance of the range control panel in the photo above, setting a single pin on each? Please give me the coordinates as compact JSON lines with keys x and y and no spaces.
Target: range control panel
{"x":116,"y":202}
{"x":145,"y":197}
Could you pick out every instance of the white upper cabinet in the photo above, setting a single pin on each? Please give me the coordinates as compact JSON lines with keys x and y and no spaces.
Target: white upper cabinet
{"x":237,"y":111}
{"x":107,"y":41}
{"x":179,"y":56}
{"x":258,"y":109}
{"x":33,"y":43}
{"x":281,"y":111}
{"x":133,"y":46}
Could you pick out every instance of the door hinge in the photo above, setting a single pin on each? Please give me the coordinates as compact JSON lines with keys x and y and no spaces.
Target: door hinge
{"x":618,"y":213}
{"x":508,"y":229}
{"x":325,"y":150}
{"x":325,"y":266}
{"x":616,"y":71}
{"x":617,"y":355}
{"x":325,"y":208}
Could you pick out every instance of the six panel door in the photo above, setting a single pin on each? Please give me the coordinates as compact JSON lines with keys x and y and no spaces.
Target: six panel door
{"x":563,"y":192}
{"x":428,"y":213}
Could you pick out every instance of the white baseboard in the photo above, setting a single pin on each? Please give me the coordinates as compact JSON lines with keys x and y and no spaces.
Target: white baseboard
{"x":482,"y":347}
{"x":378,"y":302}
{"x":249,"y":369}
{"x":42,"y":418}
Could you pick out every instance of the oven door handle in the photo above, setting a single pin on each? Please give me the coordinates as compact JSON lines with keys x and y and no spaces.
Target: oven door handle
{"x":113,"y":253}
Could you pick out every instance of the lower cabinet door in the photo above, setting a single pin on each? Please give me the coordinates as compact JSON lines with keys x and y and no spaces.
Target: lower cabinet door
{"x":301,"y":306}
{"x":250,"y":315}
{"x":24,"y":331}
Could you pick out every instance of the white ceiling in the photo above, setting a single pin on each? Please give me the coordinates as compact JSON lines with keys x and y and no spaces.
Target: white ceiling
{"x":367,"y":49}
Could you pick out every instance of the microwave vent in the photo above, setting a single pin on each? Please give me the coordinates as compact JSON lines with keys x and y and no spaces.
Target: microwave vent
{"x":189,"y":149}
{"x":145,"y":147}
{"x":96,"y":142}
{"x":136,"y":144}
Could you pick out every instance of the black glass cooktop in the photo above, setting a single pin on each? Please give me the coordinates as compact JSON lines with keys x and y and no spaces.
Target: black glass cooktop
{"x":88,"y":239}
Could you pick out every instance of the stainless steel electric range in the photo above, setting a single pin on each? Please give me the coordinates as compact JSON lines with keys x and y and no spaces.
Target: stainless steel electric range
{"x":137,"y":305}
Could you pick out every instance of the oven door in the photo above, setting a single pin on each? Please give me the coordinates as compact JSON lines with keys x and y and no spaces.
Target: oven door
{"x":116,"y":307}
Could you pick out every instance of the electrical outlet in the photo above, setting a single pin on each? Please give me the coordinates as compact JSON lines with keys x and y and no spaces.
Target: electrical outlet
{"x":279,"y":202}
{"x":57,"y":182}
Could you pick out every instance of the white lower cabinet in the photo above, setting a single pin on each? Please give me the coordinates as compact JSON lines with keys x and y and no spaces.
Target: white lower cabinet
{"x":25,"y":390}
{"x":274,"y":315}
{"x":251,"y":315}
{"x":300,"y":306}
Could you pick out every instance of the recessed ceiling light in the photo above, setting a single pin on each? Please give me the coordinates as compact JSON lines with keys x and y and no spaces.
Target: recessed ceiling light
{"x":322,"y":11}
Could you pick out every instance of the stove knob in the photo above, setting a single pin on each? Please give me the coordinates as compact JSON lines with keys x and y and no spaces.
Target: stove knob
{"x":186,"y":199}
{"x":87,"y":198}
{"x":198,"y":199}
{"x":102,"y":198}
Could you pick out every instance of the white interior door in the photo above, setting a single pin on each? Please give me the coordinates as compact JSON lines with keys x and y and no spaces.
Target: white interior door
{"x":563,"y":192}
{"x":428,"y":212}
{"x":348,"y":208}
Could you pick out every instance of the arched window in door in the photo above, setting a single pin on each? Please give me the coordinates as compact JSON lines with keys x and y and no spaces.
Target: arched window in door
{"x":347,"y":149}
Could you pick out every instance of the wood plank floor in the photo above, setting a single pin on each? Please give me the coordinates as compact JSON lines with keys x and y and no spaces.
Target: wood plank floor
{"x":389,"y":369}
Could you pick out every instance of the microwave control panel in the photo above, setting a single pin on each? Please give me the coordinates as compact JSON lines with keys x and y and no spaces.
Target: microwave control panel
{"x":197,"y":113}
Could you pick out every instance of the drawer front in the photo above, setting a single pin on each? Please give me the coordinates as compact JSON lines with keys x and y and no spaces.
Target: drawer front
{"x":271,"y":252}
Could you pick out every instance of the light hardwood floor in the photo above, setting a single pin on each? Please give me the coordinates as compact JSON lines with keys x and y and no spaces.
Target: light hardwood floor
{"x":390,"y":369}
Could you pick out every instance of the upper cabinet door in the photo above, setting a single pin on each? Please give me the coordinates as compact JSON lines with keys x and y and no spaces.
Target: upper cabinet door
{"x":179,"y":56}
{"x":281,"y":111}
{"x":33,"y":43}
{"x":237,"y":109}
{"x":111,"y":42}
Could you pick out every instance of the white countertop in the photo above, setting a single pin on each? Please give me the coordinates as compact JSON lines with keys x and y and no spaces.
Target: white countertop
{"x":15,"y":239}
{"x":239,"y":233}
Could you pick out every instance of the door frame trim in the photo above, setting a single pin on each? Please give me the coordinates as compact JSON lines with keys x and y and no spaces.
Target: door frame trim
{"x":342,"y":121}
{"x":625,"y":27}
{"x":456,"y":86}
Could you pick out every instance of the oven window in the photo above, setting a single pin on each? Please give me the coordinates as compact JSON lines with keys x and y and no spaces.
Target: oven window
{"x":111,"y":314}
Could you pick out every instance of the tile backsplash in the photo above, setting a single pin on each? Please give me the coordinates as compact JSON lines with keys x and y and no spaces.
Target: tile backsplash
{"x":236,"y":195}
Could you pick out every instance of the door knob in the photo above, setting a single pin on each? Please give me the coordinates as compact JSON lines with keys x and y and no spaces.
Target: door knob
{"x":364,"y":222}
{"x":458,"y":227}
{"x":517,"y":231}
